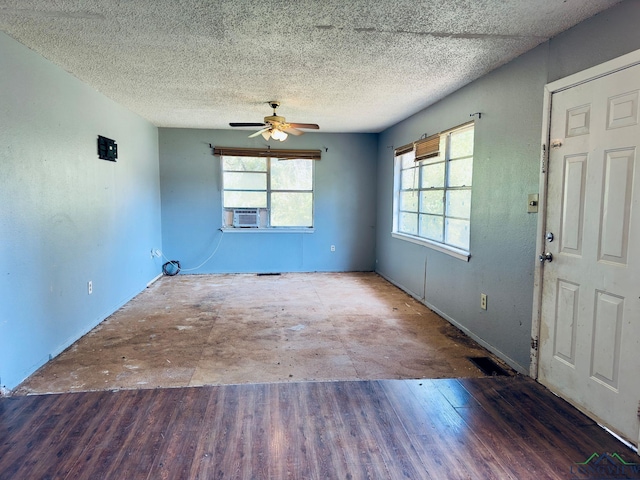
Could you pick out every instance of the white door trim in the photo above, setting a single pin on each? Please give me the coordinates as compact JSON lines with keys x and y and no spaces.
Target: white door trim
{"x":607,"y":68}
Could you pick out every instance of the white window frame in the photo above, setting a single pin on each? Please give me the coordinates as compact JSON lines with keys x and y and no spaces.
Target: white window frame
{"x":442,"y":246}
{"x":265,"y":212}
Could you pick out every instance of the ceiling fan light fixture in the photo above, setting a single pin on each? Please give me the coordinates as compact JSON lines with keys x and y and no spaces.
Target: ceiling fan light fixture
{"x":279,"y":135}
{"x":275,"y":126}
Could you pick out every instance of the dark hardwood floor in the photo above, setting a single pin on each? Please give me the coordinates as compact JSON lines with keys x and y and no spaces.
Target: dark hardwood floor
{"x":500,"y":427}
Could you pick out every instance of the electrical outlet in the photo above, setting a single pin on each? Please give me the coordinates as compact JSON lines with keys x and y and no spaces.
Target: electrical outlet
{"x":333,"y":248}
{"x":483,"y":301}
{"x":90,"y":287}
{"x":155,"y":253}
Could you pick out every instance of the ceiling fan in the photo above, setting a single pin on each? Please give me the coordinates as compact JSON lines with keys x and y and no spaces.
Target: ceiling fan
{"x":276,"y":127}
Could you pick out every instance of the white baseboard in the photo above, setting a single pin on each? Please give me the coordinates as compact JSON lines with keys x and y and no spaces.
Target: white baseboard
{"x":505,"y":358}
{"x":154,"y":280}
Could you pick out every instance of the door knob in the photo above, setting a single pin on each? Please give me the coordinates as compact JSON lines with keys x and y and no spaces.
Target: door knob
{"x":545,"y":257}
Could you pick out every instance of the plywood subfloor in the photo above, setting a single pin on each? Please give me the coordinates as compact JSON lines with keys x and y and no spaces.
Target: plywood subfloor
{"x":194,"y":330}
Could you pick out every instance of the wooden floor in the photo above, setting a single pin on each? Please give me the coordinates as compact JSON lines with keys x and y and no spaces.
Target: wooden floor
{"x":500,"y":427}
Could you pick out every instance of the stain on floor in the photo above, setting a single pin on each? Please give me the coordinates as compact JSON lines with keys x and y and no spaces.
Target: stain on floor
{"x":192,"y":330}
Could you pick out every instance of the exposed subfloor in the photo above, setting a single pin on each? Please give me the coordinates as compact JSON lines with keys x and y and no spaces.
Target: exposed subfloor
{"x":193,"y":330}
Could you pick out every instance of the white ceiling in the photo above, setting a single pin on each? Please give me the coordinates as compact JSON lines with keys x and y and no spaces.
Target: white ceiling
{"x":351,"y":66}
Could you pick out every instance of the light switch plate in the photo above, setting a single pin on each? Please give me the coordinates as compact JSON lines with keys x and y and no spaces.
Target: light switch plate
{"x":532,"y":203}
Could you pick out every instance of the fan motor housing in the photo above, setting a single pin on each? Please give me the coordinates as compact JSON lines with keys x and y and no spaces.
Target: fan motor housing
{"x":274,"y":119}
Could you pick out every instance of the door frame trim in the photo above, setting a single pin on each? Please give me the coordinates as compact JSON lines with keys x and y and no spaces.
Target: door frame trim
{"x":584,"y":76}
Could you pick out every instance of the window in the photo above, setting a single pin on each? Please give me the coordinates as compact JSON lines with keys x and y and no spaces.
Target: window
{"x":432,"y":200}
{"x":279,"y":192}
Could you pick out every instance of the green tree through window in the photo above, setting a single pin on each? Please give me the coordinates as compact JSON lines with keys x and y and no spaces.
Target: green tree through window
{"x":432,"y":200}
{"x":282,"y":190}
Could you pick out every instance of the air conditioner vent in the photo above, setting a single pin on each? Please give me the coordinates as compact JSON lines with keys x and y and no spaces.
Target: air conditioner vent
{"x":246,"y":217}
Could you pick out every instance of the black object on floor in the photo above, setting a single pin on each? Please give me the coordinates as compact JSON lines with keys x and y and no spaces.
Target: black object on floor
{"x":488,"y":366}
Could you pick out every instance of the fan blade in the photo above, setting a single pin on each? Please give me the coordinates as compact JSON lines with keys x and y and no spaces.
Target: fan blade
{"x":305,"y":125}
{"x":247,"y":124}
{"x":292,"y":131}
{"x":259,"y":132}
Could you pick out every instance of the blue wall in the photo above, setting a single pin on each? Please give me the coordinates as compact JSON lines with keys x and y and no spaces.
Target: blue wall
{"x":506,"y":169}
{"x":506,"y":154}
{"x":344,"y":206}
{"x":67,"y":217}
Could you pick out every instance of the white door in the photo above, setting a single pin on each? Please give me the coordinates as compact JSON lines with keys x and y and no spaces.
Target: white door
{"x":590,"y":312}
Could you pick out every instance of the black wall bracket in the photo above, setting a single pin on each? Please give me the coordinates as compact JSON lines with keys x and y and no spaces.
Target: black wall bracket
{"x":107,"y":149}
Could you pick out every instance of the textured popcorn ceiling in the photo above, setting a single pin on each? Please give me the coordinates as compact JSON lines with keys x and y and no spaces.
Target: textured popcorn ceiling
{"x":351,"y":66}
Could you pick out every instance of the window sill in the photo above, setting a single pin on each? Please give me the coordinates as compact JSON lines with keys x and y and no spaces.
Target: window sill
{"x":267,"y":230}
{"x":454,"y":252}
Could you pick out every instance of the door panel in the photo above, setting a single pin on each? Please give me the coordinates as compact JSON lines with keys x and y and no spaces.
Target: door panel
{"x":616,"y":205}
{"x":607,"y":328}
{"x":575,"y":168}
{"x":623,"y":110}
{"x":566,"y":321}
{"x":578,"y":121}
{"x":590,"y":311}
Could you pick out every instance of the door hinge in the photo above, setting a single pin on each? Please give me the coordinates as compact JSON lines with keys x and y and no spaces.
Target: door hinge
{"x":534,"y":344}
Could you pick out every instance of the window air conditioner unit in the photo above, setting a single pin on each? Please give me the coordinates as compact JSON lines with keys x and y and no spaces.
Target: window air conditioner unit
{"x":246,"y":217}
